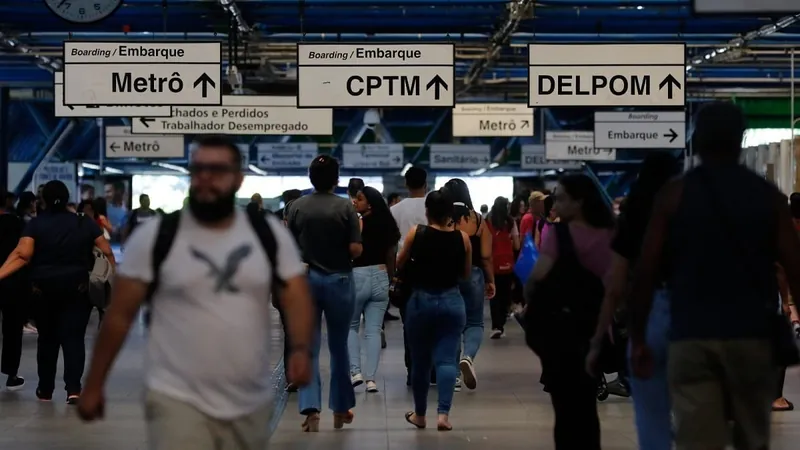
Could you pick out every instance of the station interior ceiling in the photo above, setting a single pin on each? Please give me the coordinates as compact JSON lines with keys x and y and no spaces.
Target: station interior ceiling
{"x":745,"y":58}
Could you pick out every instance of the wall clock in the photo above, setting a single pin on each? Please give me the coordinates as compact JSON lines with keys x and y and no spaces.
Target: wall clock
{"x":83,"y":11}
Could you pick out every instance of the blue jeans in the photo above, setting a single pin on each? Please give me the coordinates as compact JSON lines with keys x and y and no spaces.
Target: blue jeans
{"x":333,"y":295}
{"x":434,"y":322}
{"x":651,"y":398}
{"x":372,"y":299}
{"x":473,"y":292}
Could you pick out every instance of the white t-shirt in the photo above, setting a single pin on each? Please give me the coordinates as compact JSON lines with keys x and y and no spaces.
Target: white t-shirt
{"x":210,"y":329}
{"x":409,"y":213}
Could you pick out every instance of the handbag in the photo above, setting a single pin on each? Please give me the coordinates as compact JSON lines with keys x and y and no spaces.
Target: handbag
{"x":528,"y":255}
{"x":401,"y":286}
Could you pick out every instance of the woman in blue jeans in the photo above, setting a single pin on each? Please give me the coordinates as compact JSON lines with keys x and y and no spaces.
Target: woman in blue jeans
{"x":379,"y":236}
{"x":479,"y":286}
{"x":651,"y":400}
{"x":435,"y":257}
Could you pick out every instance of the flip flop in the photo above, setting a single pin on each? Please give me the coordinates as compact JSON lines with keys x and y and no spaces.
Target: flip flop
{"x":441,"y":427}
{"x":411,"y":414}
{"x":789,"y":407}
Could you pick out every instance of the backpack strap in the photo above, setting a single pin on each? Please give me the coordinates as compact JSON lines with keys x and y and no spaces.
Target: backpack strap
{"x":167,"y":229}
{"x":267,"y":239}
{"x":566,"y":246}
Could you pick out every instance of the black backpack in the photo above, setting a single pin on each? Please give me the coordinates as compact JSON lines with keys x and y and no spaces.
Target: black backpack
{"x":168,"y":228}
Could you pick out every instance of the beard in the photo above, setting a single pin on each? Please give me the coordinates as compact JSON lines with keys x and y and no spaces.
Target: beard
{"x":212,"y":211}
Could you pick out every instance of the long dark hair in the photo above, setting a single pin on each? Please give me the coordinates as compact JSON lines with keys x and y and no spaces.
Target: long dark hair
{"x":499,"y":216}
{"x":55,"y":195}
{"x":100,"y":206}
{"x":458,"y":191}
{"x":595,"y":211}
{"x":439,"y":207}
{"x":380,"y":216}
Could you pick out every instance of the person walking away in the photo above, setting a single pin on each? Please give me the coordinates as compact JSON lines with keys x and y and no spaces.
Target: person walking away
{"x":534,"y":214}
{"x":12,"y":304}
{"x":327,"y":230}
{"x":287,"y":197}
{"x":651,"y":401}
{"x":725,"y":334}
{"x":480,"y":285}
{"x":438,"y":257}
{"x":371,"y":272}
{"x":505,"y":244}
{"x":26,"y":206}
{"x":564,"y":294}
{"x":789,"y":312}
{"x":58,"y":248}
{"x":138,"y":216}
{"x":207,"y":384}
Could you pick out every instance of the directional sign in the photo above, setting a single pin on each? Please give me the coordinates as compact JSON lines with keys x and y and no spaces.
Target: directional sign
{"x":121,"y":143}
{"x":375,"y":75}
{"x":492,"y":120}
{"x":285,"y":156}
{"x":763,"y":7}
{"x":242,"y":114}
{"x":532,"y":157}
{"x":456,"y":156}
{"x":607,"y":75}
{"x":142,"y":73}
{"x":372,"y":156}
{"x":62,"y":110}
{"x":640,"y":129}
{"x":575,"y":145}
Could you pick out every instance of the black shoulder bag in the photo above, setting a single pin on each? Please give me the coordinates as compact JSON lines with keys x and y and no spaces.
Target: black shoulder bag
{"x":400,"y":290}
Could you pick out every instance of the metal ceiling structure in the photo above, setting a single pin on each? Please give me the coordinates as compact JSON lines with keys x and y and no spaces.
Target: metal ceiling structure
{"x":732,"y":56}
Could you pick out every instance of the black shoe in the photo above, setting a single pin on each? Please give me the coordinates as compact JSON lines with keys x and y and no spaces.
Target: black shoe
{"x":389,"y":316}
{"x":44,"y":396}
{"x":73,"y":399}
{"x":15,"y":383}
{"x":291,"y":387}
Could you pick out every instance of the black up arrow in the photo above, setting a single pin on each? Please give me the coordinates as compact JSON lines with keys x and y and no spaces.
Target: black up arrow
{"x":146,"y":122}
{"x":669,"y":82}
{"x":204,"y":81}
{"x":436,"y":83}
{"x":672,"y":135}
{"x":114,"y":147}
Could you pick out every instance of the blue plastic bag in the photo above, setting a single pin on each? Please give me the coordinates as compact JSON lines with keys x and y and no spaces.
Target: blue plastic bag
{"x":527,"y":259}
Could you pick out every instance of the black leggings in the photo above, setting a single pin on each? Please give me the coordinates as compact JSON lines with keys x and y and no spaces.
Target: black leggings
{"x":501,"y":302}
{"x":13,"y":306}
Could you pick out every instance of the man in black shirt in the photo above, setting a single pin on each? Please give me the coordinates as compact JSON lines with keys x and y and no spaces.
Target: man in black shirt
{"x":12,"y":299}
{"x":139,"y":215}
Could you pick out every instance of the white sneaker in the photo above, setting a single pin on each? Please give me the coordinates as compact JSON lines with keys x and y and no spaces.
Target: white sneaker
{"x":457,"y":387}
{"x":468,"y":373}
{"x":496,"y":334}
{"x":372,"y":386}
{"x":356,"y":380}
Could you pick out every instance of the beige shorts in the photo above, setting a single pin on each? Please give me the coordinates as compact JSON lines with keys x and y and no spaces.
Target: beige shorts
{"x":718,"y":383}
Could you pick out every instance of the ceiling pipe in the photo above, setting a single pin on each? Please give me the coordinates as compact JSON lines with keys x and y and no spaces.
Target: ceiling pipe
{"x":231,"y":7}
{"x":44,"y":62}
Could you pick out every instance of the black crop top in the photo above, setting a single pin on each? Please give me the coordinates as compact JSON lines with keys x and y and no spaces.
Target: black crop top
{"x":375,"y":239}
{"x":475,"y":240}
{"x":439,"y":258}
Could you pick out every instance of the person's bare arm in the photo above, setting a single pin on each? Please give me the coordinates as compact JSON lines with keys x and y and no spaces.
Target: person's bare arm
{"x":617,"y":281}
{"x":405,"y":252}
{"x":296,"y":305}
{"x":468,"y":253}
{"x":18,"y":258}
{"x":105,"y":247}
{"x":788,"y":246}
{"x":391,"y":261}
{"x":486,"y":252}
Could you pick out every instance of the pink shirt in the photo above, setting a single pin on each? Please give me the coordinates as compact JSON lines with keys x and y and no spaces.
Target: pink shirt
{"x":592,"y":245}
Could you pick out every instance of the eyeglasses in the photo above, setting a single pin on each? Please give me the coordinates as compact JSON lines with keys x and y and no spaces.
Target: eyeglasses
{"x":213,"y":169}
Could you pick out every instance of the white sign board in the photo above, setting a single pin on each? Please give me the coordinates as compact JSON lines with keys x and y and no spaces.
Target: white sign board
{"x":372,"y":156}
{"x":457,"y":156}
{"x":532,"y":157}
{"x":142,"y":73}
{"x":575,"y":145}
{"x":62,"y":110}
{"x":640,"y":129}
{"x":607,"y":75}
{"x":243,"y":115}
{"x":760,"y":7}
{"x":375,"y":75}
{"x":285,"y":156}
{"x":492,"y":120}
{"x":121,"y":143}
{"x":64,"y":172}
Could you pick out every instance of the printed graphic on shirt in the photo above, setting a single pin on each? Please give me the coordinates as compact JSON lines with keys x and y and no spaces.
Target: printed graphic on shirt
{"x":225,"y":274}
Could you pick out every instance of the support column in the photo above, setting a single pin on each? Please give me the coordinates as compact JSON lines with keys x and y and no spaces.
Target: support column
{"x":5,"y":137}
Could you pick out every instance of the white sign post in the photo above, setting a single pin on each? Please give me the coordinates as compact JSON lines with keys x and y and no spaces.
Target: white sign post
{"x":375,"y":75}
{"x":142,"y":73}
{"x":532,"y":157}
{"x":457,"y":156}
{"x":492,"y":120}
{"x":640,"y":129}
{"x":606,"y":75}
{"x":372,"y":156}
{"x":242,"y":114}
{"x":62,"y":110}
{"x":285,"y":156}
{"x":121,"y":143}
{"x":575,"y":145}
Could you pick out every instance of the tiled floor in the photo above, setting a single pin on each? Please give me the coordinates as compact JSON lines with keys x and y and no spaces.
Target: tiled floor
{"x":508,"y":409}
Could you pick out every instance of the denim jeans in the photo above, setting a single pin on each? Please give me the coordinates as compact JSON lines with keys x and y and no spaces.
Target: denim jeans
{"x":651,"y":398}
{"x":334,"y":296}
{"x":372,"y":299}
{"x":434,"y":322}
{"x":473,"y":292}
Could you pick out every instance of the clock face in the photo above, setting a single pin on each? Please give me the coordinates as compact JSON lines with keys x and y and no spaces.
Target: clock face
{"x":83,"y":11}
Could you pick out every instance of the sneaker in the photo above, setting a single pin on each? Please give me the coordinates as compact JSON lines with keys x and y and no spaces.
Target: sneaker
{"x":29,"y":329}
{"x":457,"y":387}
{"x":73,"y":399}
{"x":44,"y":396}
{"x":497,"y":334}
{"x":291,"y":387}
{"x":15,"y":383}
{"x":468,"y":373}
{"x":357,"y":380}
{"x":618,"y":388}
{"x":372,"y":386}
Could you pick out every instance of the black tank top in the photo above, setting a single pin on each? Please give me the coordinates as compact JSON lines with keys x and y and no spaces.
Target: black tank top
{"x":438,"y":258}
{"x":475,"y":240}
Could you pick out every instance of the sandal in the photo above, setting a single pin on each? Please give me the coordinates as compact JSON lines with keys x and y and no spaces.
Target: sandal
{"x":411,"y":414}
{"x":342,"y":419}
{"x":789,"y":407}
{"x":311,"y":424}
{"x":443,"y":427}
